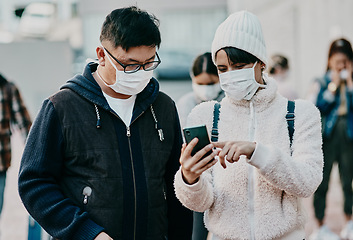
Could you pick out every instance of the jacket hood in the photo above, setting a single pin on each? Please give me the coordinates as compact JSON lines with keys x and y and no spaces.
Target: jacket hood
{"x":87,"y":87}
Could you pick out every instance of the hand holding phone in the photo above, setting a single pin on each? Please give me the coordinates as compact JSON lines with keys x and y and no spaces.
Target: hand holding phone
{"x":197,"y":156}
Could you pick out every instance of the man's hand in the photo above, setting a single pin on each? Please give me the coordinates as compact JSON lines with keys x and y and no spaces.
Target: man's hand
{"x":233,"y":151}
{"x":193,"y":166}
{"x":103,"y":236}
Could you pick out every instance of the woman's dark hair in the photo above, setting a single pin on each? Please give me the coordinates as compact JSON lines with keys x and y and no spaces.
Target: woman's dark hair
{"x":340,"y":46}
{"x":131,"y":27}
{"x":236,"y":55}
{"x":278,"y":60}
{"x":203,"y":63}
{"x":3,"y":81}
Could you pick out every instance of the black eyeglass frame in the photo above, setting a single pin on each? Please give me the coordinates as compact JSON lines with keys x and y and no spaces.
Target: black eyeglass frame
{"x":136,"y":64}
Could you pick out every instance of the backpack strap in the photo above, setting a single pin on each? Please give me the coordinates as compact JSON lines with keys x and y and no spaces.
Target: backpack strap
{"x":214,"y":132}
{"x":290,"y":120}
{"x":290,"y":116}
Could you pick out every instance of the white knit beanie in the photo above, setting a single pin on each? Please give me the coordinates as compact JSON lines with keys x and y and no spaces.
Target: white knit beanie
{"x":241,"y":30}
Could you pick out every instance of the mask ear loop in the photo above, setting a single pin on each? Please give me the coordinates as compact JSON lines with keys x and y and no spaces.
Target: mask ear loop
{"x":262,"y":76}
{"x":111,"y":61}
{"x":254,"y":65}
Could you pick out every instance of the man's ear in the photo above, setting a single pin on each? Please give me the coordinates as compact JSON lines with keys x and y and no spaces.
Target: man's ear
{"x":100,"y":55}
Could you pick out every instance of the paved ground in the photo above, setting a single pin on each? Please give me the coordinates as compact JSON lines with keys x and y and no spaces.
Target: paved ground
{"x":14,"y":220}
{"x":334,"y":216}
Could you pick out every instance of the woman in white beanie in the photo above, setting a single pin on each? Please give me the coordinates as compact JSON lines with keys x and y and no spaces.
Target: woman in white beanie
{"x":255,"y":192}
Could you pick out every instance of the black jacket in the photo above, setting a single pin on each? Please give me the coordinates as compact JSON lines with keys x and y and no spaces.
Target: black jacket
{"x":77,"y":141}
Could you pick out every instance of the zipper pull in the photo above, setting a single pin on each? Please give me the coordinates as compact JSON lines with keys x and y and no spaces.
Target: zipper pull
{"x":157,"y":126}
{"x":161,"y":135}
{"x":160,"y":131}
{"x":87,"y":191}
{"x":128,"y":133}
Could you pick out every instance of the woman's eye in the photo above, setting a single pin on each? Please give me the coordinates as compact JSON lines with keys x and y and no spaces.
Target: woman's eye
{"x":239,"y":66}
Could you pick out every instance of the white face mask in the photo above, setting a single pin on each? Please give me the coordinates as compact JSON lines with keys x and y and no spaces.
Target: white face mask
{"x":129,"y":83}
{"x":240,"y":84}
{"x":343,"y":74}
{"x":206,"y":92}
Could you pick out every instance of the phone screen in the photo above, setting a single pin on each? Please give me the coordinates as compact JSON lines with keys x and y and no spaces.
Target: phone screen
{"x":201,"y":133}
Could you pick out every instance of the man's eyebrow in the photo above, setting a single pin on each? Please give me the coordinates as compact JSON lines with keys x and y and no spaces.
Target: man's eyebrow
{"x":147,"y":60}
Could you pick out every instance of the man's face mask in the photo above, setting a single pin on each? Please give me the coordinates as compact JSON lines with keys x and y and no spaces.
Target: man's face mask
{"x":240,"y":84}
{"x":129,"y":83}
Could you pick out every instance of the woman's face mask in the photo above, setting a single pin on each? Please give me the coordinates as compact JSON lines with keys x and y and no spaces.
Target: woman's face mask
{"x":240,"y":84}
{"x":129,"y":83}
{"x":206,"y":92}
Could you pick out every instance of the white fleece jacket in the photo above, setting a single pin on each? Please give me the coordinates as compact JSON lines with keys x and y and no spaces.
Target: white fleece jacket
{"x":273,"y":209}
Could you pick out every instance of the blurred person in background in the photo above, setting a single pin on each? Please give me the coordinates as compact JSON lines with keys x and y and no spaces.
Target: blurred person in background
{"x":205,"y":86}
{"x":256,"y":189}
{"x":279,"y":70}
{"x":13,"y":114}
{"x":101,"y":156}
{"x":335,"y":102}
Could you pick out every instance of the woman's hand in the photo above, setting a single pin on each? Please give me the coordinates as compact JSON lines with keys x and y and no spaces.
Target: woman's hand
{"x":103,"y":236}
{"x":193,"y":166}
{"x":233,"y":151}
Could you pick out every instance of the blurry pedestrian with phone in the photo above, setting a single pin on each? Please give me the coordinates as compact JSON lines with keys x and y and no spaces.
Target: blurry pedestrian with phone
{"x":268,"y":160}
{"x":335,"y":102}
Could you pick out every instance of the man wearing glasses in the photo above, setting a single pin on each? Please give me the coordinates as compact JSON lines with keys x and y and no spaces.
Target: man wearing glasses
{"x":101,"y":156}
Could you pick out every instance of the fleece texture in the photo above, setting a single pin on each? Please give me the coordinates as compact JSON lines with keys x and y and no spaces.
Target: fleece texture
{"x":280,"y":179}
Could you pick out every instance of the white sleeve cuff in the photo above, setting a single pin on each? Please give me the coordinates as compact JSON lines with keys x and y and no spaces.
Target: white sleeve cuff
{"x":192,"y":187}
{"x":260,"y":157}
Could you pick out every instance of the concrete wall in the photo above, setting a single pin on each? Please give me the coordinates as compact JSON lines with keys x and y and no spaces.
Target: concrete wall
{"x":185,"y":25}
{"x":38,"y":68}
{"x":302,"y":30}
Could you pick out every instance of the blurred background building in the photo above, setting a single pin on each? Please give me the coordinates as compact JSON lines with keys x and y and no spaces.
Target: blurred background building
{"x":42,"y":46}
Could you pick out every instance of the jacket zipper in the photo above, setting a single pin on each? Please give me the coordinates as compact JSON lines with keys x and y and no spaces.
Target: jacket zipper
{"x":128,"y":134}
{"x":251,"y":176}
{"x":251,"y":179}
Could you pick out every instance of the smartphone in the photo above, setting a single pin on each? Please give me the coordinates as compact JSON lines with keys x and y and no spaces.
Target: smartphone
{"x":202,"y":134}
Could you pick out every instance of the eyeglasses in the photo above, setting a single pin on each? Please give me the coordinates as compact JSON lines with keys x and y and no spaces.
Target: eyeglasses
{"x":132,"y":68}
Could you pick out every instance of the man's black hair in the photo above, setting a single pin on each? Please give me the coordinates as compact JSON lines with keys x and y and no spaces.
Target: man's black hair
{"x":3,"y":81}
{"x":131,"y":27}
{"x":236,"y":55}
